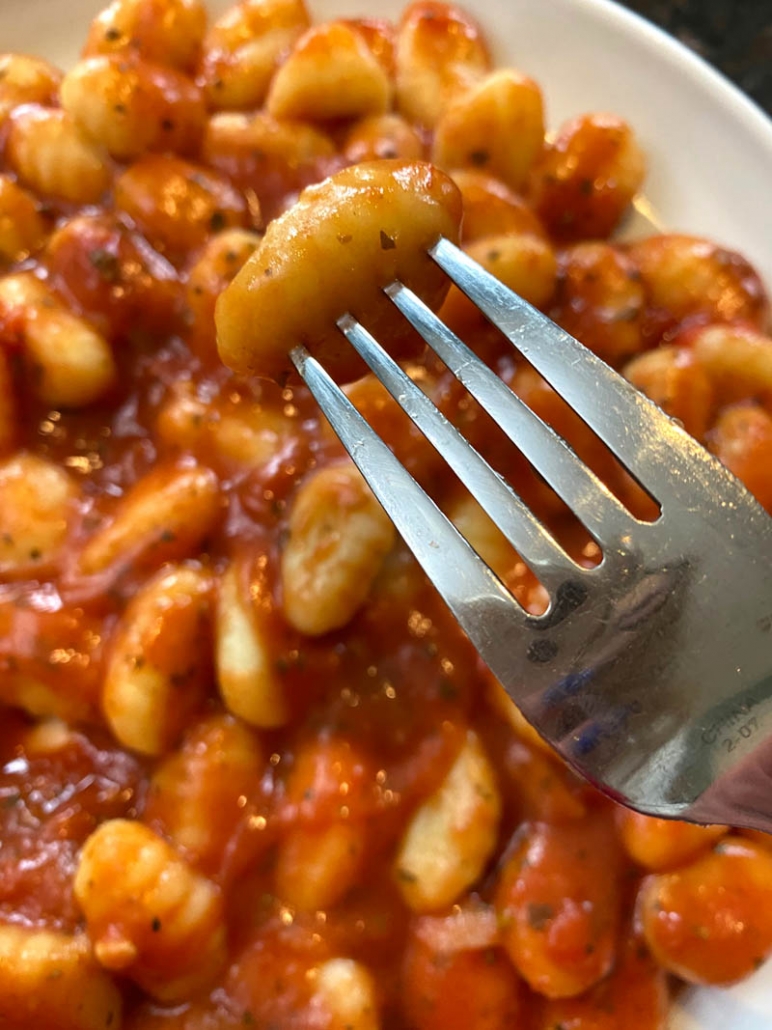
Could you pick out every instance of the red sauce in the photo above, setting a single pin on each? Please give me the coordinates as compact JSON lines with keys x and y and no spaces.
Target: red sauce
{"x":49,"y":804}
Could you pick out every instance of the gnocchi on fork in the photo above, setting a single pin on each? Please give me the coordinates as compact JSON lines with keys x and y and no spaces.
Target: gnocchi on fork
{"x":657,"y":694}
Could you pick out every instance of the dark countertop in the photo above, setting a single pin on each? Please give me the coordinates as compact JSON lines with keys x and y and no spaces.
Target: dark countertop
{"x":734,"y":35}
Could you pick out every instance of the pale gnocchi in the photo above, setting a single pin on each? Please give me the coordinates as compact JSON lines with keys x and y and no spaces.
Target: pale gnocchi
{"x":452,"y":835}
{"x":338,"y":538}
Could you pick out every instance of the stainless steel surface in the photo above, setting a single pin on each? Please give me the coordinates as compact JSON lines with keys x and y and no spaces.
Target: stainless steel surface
{"x":651,"y":673}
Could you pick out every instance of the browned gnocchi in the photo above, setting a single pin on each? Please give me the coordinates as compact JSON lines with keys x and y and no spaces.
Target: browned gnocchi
{"x":130,"y":106}
{"x":331,"y":255}
{"x":242,"y":50}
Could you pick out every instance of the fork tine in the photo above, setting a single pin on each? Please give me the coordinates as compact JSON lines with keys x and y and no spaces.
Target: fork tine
{"x":459,"y":574}
{"x":646,"y":440}
{"x":516,"y":521}
{"x":590,"y":499}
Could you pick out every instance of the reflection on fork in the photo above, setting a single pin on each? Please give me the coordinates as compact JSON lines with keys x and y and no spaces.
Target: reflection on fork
{"x":651,"y":673}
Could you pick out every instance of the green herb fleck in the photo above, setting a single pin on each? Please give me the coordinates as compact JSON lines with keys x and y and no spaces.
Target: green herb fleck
{"x":539,"y":914}
{"x":448,"y":690}
{"x":107,"y":264}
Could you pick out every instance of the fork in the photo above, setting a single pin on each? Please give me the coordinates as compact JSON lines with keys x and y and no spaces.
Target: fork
{"x":650,"y":673}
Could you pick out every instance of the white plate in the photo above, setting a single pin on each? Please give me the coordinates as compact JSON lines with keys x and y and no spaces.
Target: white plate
{"x":710,"y":154}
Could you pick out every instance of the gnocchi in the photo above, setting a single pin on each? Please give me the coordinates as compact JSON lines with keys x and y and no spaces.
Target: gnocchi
{"x":165,"y":515}
{"x":168,"y":31}
{"x":440,"y":53}
{"x":157,"y":665}
{"x":560,"y":928}
{"x":242,"y":50}
{"x":346,"y":992}
{"x":310,"y":86}
{"x":22,"y":229}
{"x":338,"y":538}
{"x":341,"y":267}
{"x":692,"y":936}
{"x":49,"y":978}
{"x":130,"y":107}
{"x":50,"y":154}
{"x":248,"y":682}
{"x":451,"y":837}
{"x":69,"y":362}
{"x":161,"y":923}
{"x":177,"y":204}
{"x":584,"y":180}
{"x":37,"y":499}
{"x":26,"y":80}
{"x":497,"y":126}
{"x":197,"y":793}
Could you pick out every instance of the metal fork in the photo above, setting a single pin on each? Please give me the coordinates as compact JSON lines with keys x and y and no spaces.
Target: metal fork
{"x":651,"y":673}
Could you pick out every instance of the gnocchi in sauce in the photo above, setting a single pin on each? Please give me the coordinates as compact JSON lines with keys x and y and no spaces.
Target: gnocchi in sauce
{"x":251,"y":772}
